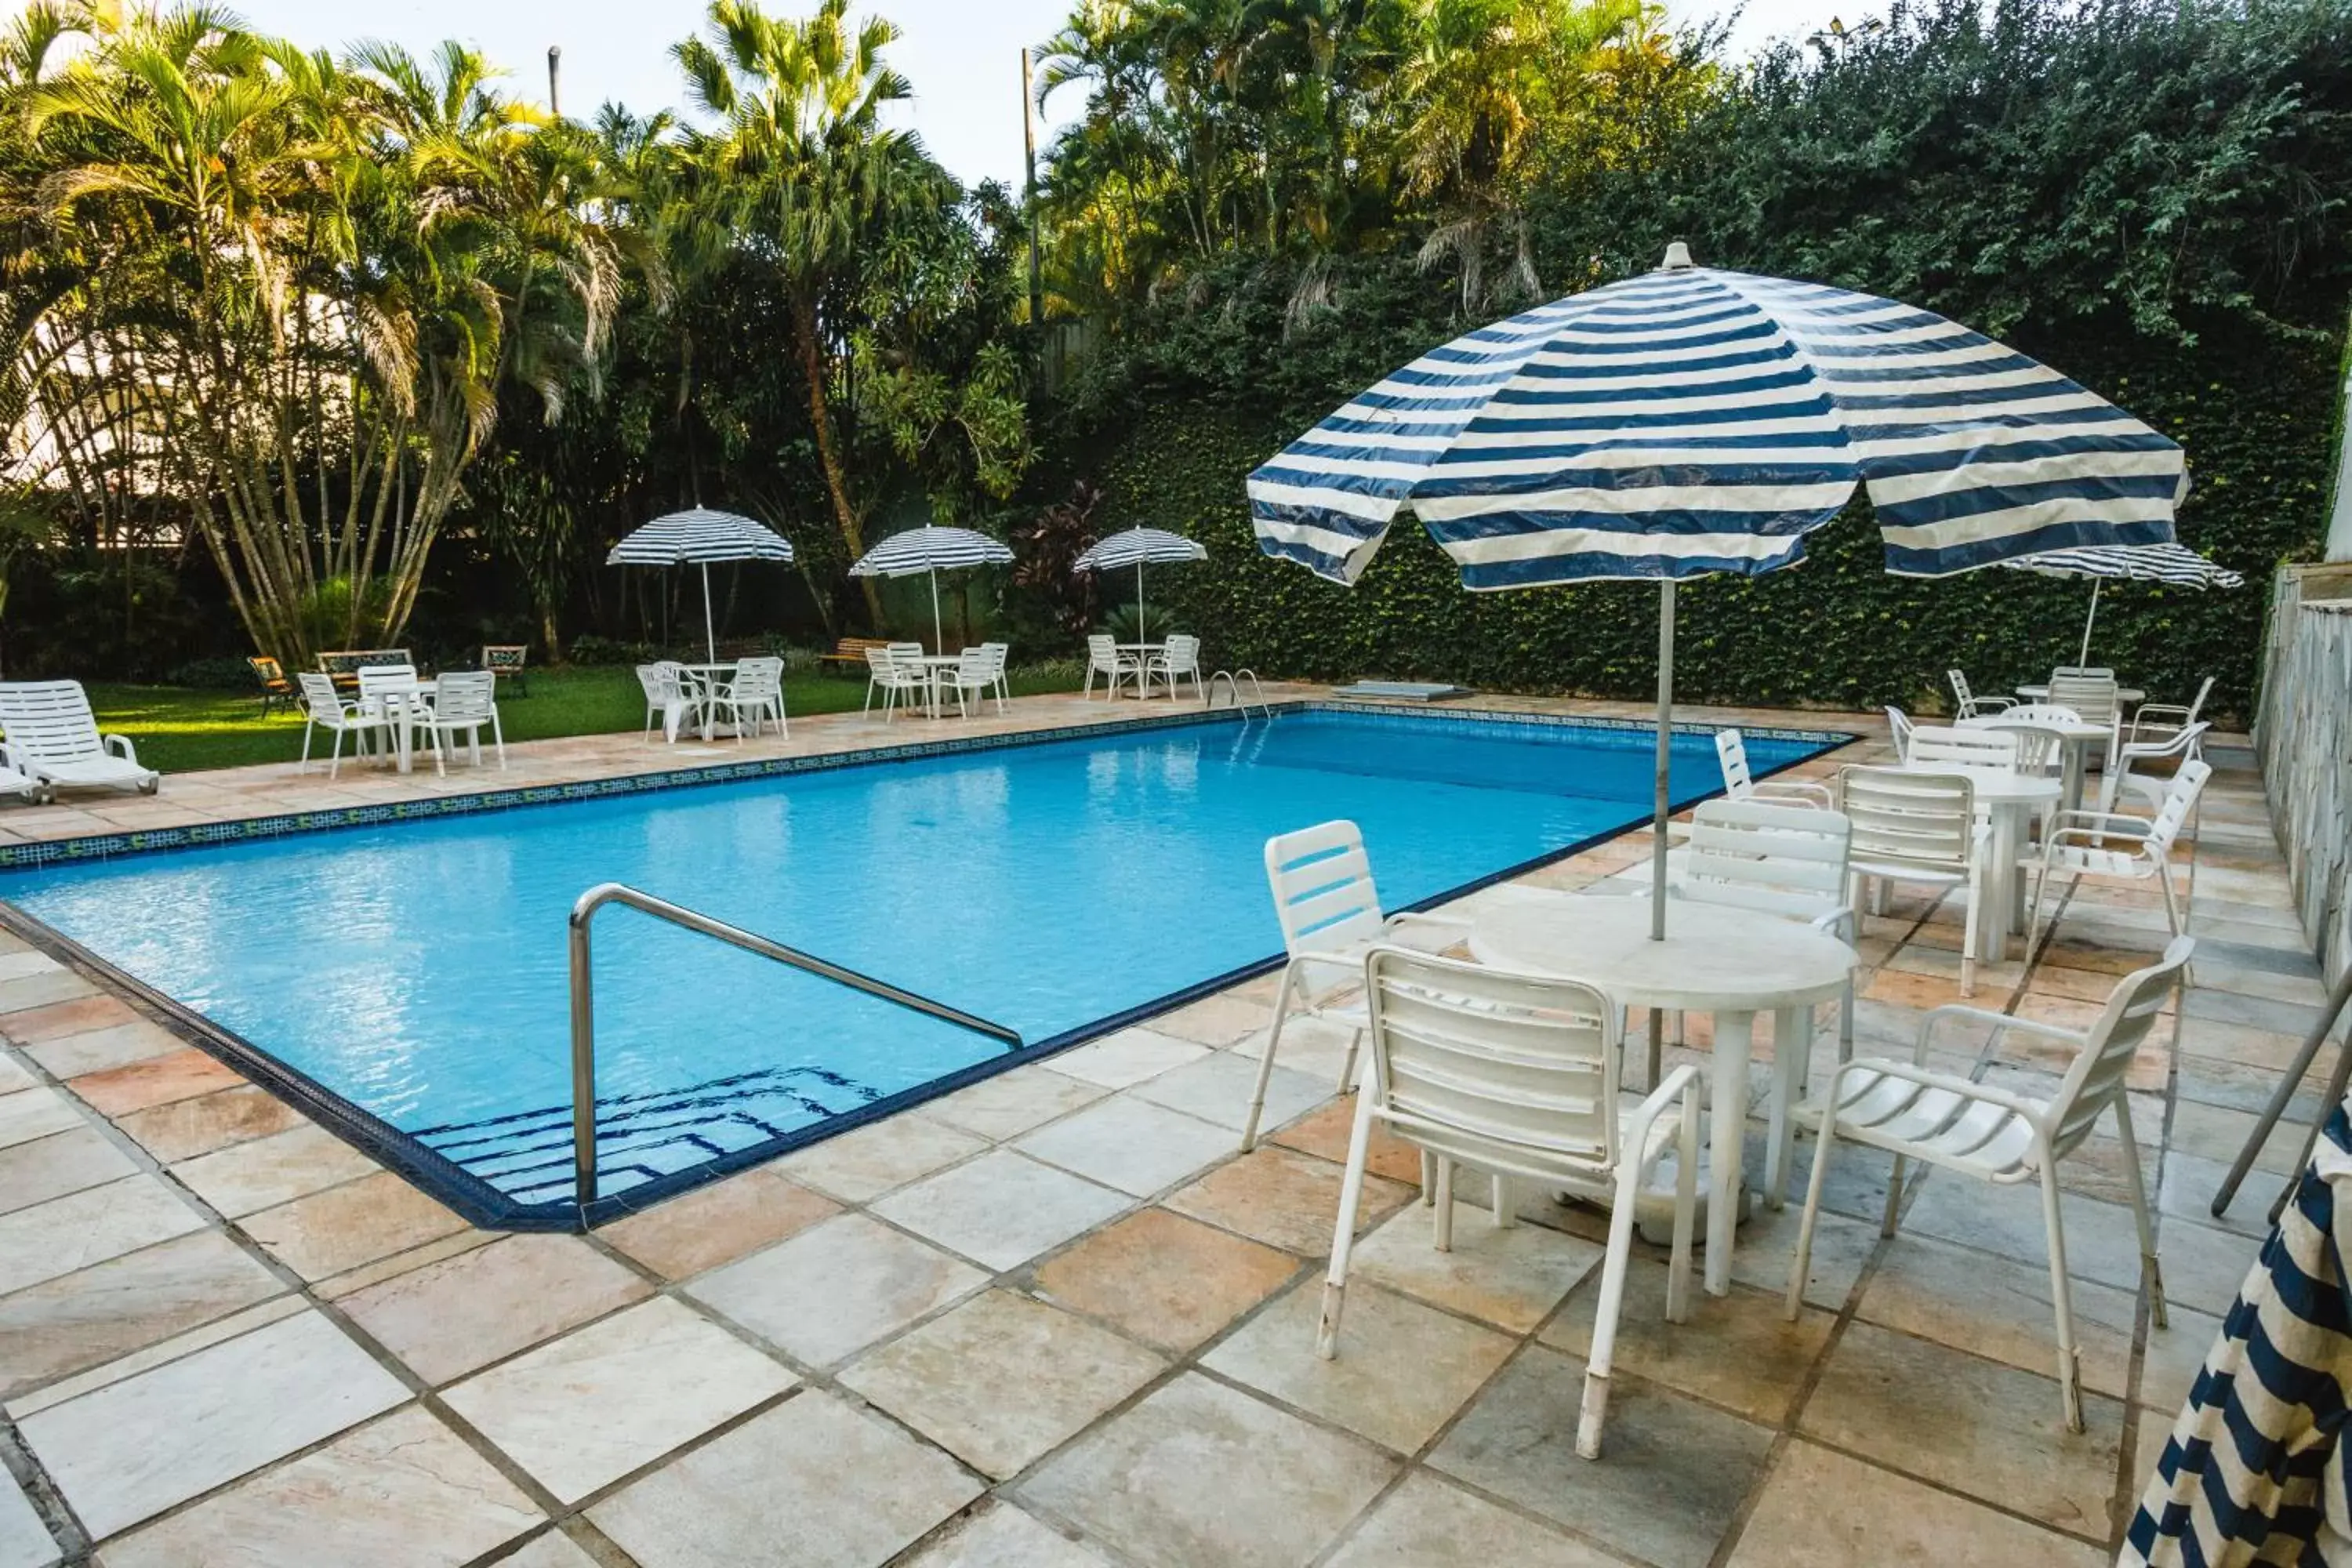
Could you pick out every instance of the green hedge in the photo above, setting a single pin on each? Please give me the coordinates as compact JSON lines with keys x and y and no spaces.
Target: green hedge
{"x":1835,"y":631}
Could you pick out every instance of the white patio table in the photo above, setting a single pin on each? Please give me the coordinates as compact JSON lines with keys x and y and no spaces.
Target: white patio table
{"x":706,"y":679}
{"x":403,"y":708}
{"x":1728,"y":962}
{"x":2007,"y":798}
{"x":2074,"y":742}
{"x":1143,"y":652}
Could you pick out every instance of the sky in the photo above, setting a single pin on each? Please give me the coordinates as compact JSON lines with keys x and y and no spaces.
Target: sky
{"x":963,"y":56}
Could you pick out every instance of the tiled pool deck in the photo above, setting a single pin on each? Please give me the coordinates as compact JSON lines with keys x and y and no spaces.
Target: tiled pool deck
{"x":1052,"y":1322}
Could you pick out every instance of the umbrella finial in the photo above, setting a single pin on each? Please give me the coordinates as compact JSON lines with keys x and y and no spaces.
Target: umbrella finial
{"x":1678,"y":259}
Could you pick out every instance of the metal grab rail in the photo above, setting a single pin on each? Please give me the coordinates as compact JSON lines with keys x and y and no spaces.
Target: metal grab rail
{"x":583,"y":1009}
{"x":1232,"y":679}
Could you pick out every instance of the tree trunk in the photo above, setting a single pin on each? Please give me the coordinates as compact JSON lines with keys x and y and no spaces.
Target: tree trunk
{"x":845,"y":516}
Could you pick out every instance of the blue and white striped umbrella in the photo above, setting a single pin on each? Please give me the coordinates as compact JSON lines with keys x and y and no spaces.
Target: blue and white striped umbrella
{"x":2176,"y":565}
{"x":1692,"y":421}
{"x":932,"y":550}
{"x":1137,"y":547}
{"x":698,"y":537}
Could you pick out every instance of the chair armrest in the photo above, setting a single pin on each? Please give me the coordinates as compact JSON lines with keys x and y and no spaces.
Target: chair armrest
{"x":2129,"y":825}
{"x":121,"y":747}
{"x":2002,"y":1023}
{"x":1997,"y":703}
{"x":1796,"y":789}
{"x":1678,"y":1084}
{"x":1414,"y":916}
{"x":1839,"y":923}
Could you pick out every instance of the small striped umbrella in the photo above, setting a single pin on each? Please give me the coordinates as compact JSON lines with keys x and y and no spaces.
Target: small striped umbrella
{"x":932,"y":550}
{"x":1694,"y":420}
{"x":2174,"y":565}
{"x":1137,"y":547}
{"x":699,"y":536}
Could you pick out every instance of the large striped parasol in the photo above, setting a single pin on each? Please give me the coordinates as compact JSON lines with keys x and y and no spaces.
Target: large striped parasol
{"x":932,"y":550}
{"x":1139,"y":547}
{"x":698,"y":537}
{"x":2175,"y":565}
{"x":1692,"y":421}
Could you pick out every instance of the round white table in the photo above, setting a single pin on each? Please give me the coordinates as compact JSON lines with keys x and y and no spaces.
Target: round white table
{"x":1731,"y":962}
{"x":2008,"y":800}
{"x":1143,"y":652}
{"x":2074,"y":743}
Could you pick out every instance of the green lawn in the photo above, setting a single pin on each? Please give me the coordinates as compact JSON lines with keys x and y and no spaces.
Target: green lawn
{"x":179,"y":729}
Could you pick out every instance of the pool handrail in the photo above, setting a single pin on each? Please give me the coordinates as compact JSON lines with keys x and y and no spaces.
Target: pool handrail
{"x":583,"y":1012}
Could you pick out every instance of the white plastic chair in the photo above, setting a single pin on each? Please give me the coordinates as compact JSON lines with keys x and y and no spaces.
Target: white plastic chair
{"x":1918,"y":827}
{"x":1329,"y":910}
{"x":464,"y":702}
{"x":2107,"y":844}
{"x":15,"y":781}
{"x":1992,"y":1136}
{"x":1899,"y":727}
{"x":1739,"y":783}
{"x":2091,"y":693}
{"x":2182,"y":745}
{"x":754,"y":697}
{"x":973,"y":675}
{"x":1177,"y":657}
{"x":998,"y":654}
{"x":1518,"y":1077}
{"x":1107,"y":659}
{"x":667,"y":698}
{"x":1988,"y":750}
{"x":326,"y":710}
{"x":893,"y":679}
{"x":2153,"y":723}
{"x":1967,"y":704}
{"x":52,"y":736}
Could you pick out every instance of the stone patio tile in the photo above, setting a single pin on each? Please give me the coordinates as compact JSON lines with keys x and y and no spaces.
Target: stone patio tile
{"x":1217,"y":1088}
{"x":1215,"y":1021}
{"x":837,"y":1287}
{"x":1822,"y":1509}
{"x":97,"y":1050}
{"x":1011,"y":1103}
{"x":1402,"y":1369}
{"x":812,"y":1483}
{"x":2187,"y":1192}
{"x":404,"y":1489}
{"x":719,"y":1223}
{"x":148,"y":1357}
{"x":62,"y":1162}
{"x":335,"y":1287}
{"x":865,"y":1163}
{"x":1768,"y":1246}
{"x":175,"y":1075}
{"x":2295,"y":1018}
{"x":584,"y":1411}
{"x":1669,"y":1481}
{"x":2101,"y":1242}
{"x":186,"y":1128}
{"x":1736,"y":1350}
{"x":997,"y":1535}
{"x":950,"y":1378}
{"x":15,"y":1075}
{"x":552,"y":1550}
{"x":1315,"y":1048}
{"x":54,"y":985}
{"x":1000,"y":1209}
{"x":345,"y":1226}
{"x":1131,"y":1145}
{"x":1231,"y":1482}
{"x":124,"y":1304}
{"x":76,"y":1016}
{"x":2002,"y":1310}
{"x":267,"y":1171}
{"x":1427,"y":1520}
{"x":1284,"y":1199}
{"x":2173,"y":1358}
{"x":89,"y":1226}
{"x":2217,"y":1133}
{"x":450,"y":1318}
{"x":25,"y":1541}
{"x":2232,"y":1042}
{"x":31,"y":1113}
{"x":1168,"y":1281}
{"x":1990,"y":1431}
{"x":205,"y":1419}
{"x":1127,"y":1058}
{"x":1327,"y":1131}
{"x":1510,"y":1277}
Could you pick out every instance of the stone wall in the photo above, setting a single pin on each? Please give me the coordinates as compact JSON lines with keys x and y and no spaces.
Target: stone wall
{"x":2303,"y":733}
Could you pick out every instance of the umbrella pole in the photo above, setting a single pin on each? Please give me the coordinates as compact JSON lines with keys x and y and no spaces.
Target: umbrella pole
{"x":2083,"y":658}
{"x":1665,"y":758}
{"x":710,"y":633}
{"x":939,"y":642}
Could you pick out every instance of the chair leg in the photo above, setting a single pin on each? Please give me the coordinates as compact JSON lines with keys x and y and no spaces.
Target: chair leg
{"x":1595,"y":1408}
{"x":334,"y":758}
{"x":499,"y":741}
{"x":2070,"y":1369}
{"x":1970,"y":929}
{"x":1658,"y":1048}
{"x":1678,"y":1267}
{"x":1443,"y":1229}
{"x":2034,"y":909}
{"x":2150,"y":1270}
{"x":1343,"y":1233}
{"x":1506,"y":1202}
{"x":1428,"y":1180}
{"x":1792,"y":1040}
{"x":304,"y":765}
{"x":1265,"y":1062}
{"x":1347,"y":1064}
{"x":1802,"y":1264}
{"x":1894,"y":1215}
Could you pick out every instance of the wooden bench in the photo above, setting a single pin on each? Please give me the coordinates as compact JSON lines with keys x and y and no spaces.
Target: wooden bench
{"x":505,"y":661}
{"x":852,"y":651}
{"x":343,"y":666}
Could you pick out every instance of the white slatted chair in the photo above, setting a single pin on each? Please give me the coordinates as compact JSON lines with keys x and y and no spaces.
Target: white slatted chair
{"x":1992,"y":1135}
{"x":2132,"y":775}
{"x":326,"y":711}
{"x":1981,"y":750}
{"x":1967,"y":704}
{"x":1329,"y":910}
{"x":754,"y":697}
{"x":2108,"y":844}
{"x":1177,"y":657}
{"x":884,"y":675}
{"x":1107,"y":659}
{"x":464,"y":703}
{"x":1517,"y":1077}
{"x":910,"y":657}
{"x":667,"y":701}
{"x":971,"y":676}
{"x":2091,"y":693}
{"x":15,"y":781}
{"x":1739,"y":784}
{"x":2034,"y":713}
{"x":998,"y":655}
{"x":1918,"y":827}
{"x":1899,"y":727}
{"x":2154,"y":723}
{"x":52,"y":737}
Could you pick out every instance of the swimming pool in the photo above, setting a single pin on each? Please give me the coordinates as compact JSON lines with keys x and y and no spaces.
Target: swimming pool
{"x":1058,"y":885}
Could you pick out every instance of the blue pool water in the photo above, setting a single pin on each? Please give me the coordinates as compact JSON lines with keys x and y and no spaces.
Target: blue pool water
{"x":418,"y":970}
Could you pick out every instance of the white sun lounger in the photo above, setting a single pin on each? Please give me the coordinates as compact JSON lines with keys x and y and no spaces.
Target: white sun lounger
{"x":52,"y":736}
